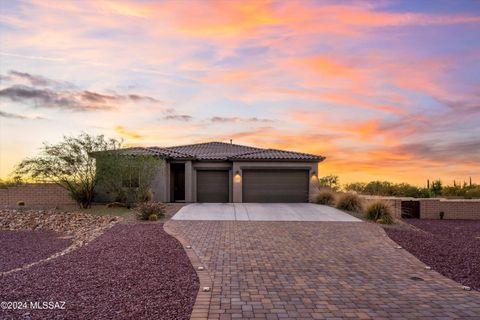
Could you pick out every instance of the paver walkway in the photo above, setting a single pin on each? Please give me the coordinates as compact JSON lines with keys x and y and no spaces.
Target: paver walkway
{"x":318,"y":270}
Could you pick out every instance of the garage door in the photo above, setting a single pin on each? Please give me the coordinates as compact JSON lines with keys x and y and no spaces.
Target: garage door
{"x":212,"y":186}
{"x":275,"y":185}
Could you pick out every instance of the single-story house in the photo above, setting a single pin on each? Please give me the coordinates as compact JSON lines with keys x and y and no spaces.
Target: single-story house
{"x":227,"y":172}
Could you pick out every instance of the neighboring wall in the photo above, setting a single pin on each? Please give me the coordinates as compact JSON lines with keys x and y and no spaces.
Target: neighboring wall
{"x":430,"y":208}
{"x":453,"y":209}
{"x":35,"y":194}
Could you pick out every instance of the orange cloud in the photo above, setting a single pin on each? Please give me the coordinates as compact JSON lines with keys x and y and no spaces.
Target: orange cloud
{"x":127,"y":133}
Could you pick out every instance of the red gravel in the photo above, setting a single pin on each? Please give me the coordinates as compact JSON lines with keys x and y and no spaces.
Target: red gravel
{"x":451,"y":247}
{"x":19,"y":248}
{"x":130,"y":272}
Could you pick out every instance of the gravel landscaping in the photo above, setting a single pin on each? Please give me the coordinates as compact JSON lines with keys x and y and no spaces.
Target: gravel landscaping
{"x":23,"y":247}
{"x":451,"y":247}
{"x":129,"y":272}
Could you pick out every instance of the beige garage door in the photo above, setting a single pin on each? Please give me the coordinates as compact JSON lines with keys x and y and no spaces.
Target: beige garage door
{"x":262,"y":185}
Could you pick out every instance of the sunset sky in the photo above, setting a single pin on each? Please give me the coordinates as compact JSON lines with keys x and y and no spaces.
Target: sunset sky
{"x":384,"y":89}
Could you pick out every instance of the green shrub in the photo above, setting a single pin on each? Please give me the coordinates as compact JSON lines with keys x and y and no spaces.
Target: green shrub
{"x":389,"y":189}
{"x":144,"y":195}
{"x":324,"y":197}
{"x":145,"y":210}
{"x":473,"y":193}
{"x":152,"y":217}
{"x":379,"y":212}
{"x":349,"y":202}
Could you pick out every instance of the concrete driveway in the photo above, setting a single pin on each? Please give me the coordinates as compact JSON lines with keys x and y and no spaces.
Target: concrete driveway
{"x":262,"y":212}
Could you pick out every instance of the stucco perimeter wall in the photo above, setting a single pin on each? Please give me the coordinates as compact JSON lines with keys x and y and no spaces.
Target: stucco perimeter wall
{"x":453,"y":209}
{"x":430,"y":208}
{"x":35,"y":194}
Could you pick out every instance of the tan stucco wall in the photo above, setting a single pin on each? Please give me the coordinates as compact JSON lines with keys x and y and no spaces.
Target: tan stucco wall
{"x":160,"y":188}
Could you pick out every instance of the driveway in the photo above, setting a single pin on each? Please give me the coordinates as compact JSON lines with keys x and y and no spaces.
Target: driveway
{"x":315,"y":270}
{"x":262,"y":212}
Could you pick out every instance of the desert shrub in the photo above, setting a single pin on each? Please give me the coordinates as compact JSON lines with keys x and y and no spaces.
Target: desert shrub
{"x":15,"y":182}
{"x":356,"y":187}
{"x":145,"y":210}
{"x":153,"y":217}
{"x":144,"y":195}
{"x":324,"y":197}
{"x":389,"y":189}
{"x":349,"y":202}
{"x":330,"y":181}
{"x":473,"y":193}
{"x":379,"y":211}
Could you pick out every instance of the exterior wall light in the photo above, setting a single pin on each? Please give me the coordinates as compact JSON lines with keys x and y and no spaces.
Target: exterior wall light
{"x":314,"y":177}
{"x":237,"y":178}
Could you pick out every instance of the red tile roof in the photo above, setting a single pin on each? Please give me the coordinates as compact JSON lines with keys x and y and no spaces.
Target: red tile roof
{"x":223,"y":151}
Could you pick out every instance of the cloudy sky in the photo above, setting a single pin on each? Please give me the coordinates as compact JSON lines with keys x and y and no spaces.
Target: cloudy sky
{"x":383,"y":89}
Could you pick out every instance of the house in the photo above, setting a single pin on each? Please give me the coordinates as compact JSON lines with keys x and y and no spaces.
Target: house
{"x":226,"y":172}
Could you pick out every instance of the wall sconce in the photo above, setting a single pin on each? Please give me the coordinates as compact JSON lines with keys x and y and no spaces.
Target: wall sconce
{"x":237,"y":178}
{"x":314,"y":177}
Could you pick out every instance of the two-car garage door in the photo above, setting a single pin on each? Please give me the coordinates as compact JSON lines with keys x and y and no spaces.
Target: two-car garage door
{"x":268,"y":185}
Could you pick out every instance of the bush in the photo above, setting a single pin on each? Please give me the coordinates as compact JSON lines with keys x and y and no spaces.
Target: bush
{"x":349,"y":202}
{"x":473,"y":193}
{"x":145,"y":210}
{"x":379,"y":211}
{"x":152,"y":217}
{"x":389,"y":189}
{"x":324,"y":197}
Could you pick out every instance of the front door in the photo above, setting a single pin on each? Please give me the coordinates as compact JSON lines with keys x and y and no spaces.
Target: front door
{"x":178,"y":181}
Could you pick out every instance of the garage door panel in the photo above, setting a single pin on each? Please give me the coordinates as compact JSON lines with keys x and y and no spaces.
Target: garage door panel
{"x":275,"y":185}
{"x":212,"y":186}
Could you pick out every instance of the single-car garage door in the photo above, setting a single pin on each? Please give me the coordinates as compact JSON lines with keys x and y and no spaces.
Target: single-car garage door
{"x":212,"y":186}
{"x":275,"y":185}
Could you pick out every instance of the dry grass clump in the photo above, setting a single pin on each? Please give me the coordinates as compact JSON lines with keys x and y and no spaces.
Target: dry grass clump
{"x":349,"y":202}
{"x":324,"y":196}
{"x":380,"y":212}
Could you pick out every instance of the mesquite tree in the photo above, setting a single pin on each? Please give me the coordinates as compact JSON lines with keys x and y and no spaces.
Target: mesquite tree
{"x":69,"y":164}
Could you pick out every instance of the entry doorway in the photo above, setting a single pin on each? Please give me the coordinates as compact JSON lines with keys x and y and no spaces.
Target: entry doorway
{"x":177,"y":182}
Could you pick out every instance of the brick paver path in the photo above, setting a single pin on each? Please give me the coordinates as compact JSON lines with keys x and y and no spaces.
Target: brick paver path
{"x":318,"y":270}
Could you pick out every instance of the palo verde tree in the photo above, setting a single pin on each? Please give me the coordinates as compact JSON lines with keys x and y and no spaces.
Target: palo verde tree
{"x":69,"y":164}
